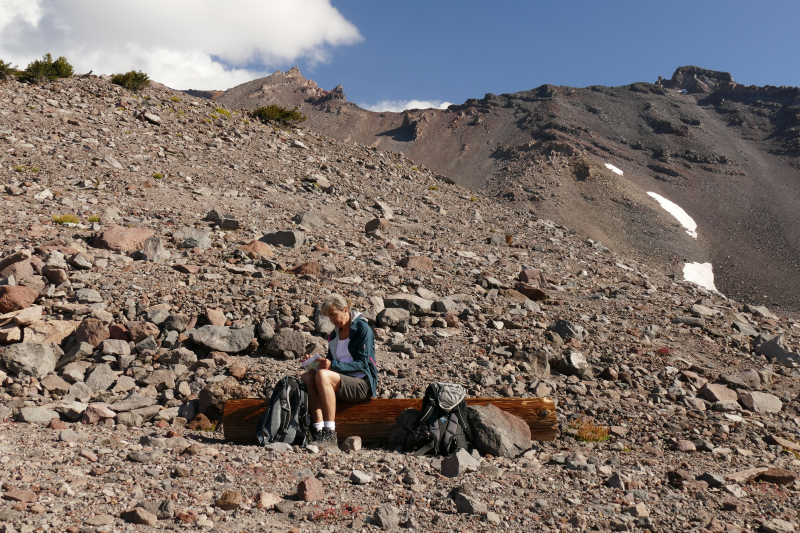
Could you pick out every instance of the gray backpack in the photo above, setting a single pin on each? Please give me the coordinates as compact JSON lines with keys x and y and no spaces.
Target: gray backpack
{"x":286,"y":418}
{"x":442,"y":426}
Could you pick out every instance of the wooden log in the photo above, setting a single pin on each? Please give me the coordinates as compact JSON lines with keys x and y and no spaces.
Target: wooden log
{"x":373,"y":420}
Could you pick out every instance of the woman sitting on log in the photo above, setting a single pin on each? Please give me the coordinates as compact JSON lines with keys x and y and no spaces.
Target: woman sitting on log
{"x":348,"y":373}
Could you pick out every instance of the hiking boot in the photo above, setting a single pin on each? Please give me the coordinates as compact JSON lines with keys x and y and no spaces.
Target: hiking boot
{"x":326,"y":438}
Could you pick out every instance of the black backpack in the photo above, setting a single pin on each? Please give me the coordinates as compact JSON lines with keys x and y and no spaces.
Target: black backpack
{"x":286,"y":417}
{"x":442,"y":427}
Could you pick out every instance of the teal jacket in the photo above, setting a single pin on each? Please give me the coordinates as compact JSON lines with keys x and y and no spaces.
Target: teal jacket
{"x":361,"y":347}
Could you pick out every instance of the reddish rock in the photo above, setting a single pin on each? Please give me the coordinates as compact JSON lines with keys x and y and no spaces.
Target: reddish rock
{"x":14,"y":298}
{"x":56,"y":423}
{"x":534,"y":278}
{"x":188,"y":516}
{"x":416,"y":262}
{"x":119,"y":332}
{"x":378,"y":224}
{"x":92,"y":331}
{"x":221,"y":359}
{"x":779,"y":476}
{"x":200,"y":423}
{"x":310,"y":490}
{"x":307,"y":268}
{"x":187,"y":269}
{"x":216,"y":317}
{"x":20,"y":269}
{"x":256,"y":249}
{"x":54,"y":274}
{"x":24,"y":496}
{"x":715,"y":392}
{"x":139,"y":331}
{"x":230,"y":500}
{"x":238,"y":371}
{"x":94,"y":413}
{"x":530,"y":291}
{"x":684,"y":446}
{"x":140,"y":516}
{"x":122,"y":239}
{"x":267,"y":500}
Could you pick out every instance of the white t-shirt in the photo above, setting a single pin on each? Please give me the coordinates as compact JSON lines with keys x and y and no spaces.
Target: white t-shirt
{"x":343,"y":356}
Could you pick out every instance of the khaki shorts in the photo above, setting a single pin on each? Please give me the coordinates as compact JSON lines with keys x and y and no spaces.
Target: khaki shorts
{"x":353,"y":389}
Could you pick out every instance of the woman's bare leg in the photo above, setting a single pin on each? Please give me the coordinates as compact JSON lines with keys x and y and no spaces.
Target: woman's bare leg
{"x":327,"y":383}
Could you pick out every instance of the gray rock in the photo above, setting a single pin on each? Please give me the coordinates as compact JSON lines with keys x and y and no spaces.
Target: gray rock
{"x":88,"y":296}
{"x":157,"y":316}
{"x":357,"y":477}
{"x":79,"y":352}
{"x":745,"y":379}
{"x":189,"y":410}
{"x":30,"y":359}
{"x":101,"y":378}
{"x":36,"y":415}
{"x":760,"y":402}
{"x":289,"y":239}
{"x":5,"y":413}
{"x":130,"y":419}
{"x":79,"y":391}
{"x":176,"y":322}
{"x":278,"y":447}
{"x":223,"y":338}
{"x":154,"y":251}
{"x":179,"y":356}
{"x":573,"y":364}
{"x":714,"y":481}
{"x":147,"y":344}
{"x":322,"y":324}
{"x":497,"y":432}
{"x":393,"y":316}
{"x":192,"y":238}
{"x":469,"y":504}
{"x":777,"y":525}
{"x":265,"y":331}
{"x":776,"y":349}
{"x":71,"y":410}
{"x":307,"y":218}
{"x":416,"y":305}
{"x":286,"y":341}
{"x":115,"y":347}
{"x":152,"y":119}
{"x":132,"y":402}
{"x":387,"y":516}
{"x":455,"y":303}
{"x":458,"y":463}
{"x":568,"y":330}
{"x":745,"y":329}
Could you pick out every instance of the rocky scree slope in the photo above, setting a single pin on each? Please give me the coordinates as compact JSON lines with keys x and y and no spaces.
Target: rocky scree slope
{"x":191,"y":273}
{"x":726,"y":153}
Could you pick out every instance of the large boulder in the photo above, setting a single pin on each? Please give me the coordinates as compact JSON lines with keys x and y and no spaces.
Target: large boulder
{"x":412,"y":303}
{"x":16,"y":297}
{"x":30,"y":359}
{"x":568,"y":330}
{"x":776,"y":349}
{"x":497,"y":432}
{"x":121,"y":239}
{"x":17,"y":265}
{"x":50,"y":331}
{"x":214,"y":395}
{"x":92,"y":331}
{"x":223,"y":338}
{"x":417,"y":262}
{"x":393,"y":316}
{"x":307,"y":218}
{"x":760,"y":402}
{"x":573,"y":364}
{"x":153,"y":250}
{"x":289,"y":239}
{"x":179,"y":356}
{"x":287,"y":343}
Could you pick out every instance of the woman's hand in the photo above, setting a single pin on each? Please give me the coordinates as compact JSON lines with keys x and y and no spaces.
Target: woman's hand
{"x":305,"y":357}
{"x":324,"y":364}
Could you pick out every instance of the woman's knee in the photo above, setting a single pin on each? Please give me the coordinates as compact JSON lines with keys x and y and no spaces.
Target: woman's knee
{"x":324,"y":377}
{"x":309,"y":379}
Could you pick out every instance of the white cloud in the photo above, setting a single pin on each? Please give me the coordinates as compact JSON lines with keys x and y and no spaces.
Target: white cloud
{"x":401,"y":105}
{"x":198,"y":44}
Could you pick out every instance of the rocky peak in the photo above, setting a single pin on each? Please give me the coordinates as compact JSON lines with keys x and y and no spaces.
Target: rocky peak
{"x":695,"y":79}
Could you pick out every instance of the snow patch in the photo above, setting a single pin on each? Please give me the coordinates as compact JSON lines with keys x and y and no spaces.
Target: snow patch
{"x":613,"y":169}
{"x":676,"y":211}
{"x":700,"y":273}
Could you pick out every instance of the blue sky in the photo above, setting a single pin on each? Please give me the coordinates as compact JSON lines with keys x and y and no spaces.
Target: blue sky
{"x":389,"y":53}
{"x":457,"y":50}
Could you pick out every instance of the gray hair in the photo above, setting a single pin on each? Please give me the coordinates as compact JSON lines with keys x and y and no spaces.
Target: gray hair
{"x":337,"y":301}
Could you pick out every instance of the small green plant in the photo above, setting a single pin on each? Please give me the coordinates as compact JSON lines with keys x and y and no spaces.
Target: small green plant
{"x":588,"y":431}
{"x":20,"y":168}
{"x":35,"y":169}
{"x":158,"y":175}
{"x":134,"y":80}
{"x":94,"y":218}
{"x":6,"y":71}
{"x":433,"y":188}
{"x":278,"y":114}
{"x":65,"y":219}
{"x":224,"y":112}
{"x":175,"y":99}
{"x":45,"y":69}
{"x":473,"y":199}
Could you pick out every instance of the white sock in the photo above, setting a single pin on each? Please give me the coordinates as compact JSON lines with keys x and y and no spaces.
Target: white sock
{"x":318,"y":426}
{"x":330,"y":425}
